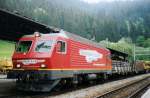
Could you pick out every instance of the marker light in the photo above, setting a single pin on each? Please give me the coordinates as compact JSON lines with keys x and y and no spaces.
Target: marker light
{"x":43,"y":65}
{"x":37,"y":34}
{"x":18,"y":65}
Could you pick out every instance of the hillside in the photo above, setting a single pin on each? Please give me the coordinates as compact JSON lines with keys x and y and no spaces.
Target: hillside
{"x":6,"y":49}
{"x":104,"y":20}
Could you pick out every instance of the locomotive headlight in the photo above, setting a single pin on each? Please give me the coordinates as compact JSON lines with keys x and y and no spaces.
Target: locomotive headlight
{"x":37,"y":34}
{"x":43,"y":65}
{"x":18,"y":65}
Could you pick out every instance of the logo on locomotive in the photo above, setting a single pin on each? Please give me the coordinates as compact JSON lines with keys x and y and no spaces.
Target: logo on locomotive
{"x":90,"y":55}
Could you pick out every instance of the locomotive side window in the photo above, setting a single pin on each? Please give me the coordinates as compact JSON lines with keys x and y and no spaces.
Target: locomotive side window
{"x":23,"y":46}
{"x":43,"y":46}
{"x":61,"y":46}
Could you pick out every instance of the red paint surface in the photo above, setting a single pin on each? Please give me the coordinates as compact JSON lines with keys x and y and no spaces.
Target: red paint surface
{"x":72,"y":60}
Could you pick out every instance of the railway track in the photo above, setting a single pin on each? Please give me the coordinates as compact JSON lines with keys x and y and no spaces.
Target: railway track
{"x":64,"y":92}
{"x":139,"y":92}
{"x":18,"y":94}
{"x":130,"y":90}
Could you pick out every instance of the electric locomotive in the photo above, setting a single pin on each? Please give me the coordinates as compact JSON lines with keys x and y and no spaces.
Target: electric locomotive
{"x":42,"y":61}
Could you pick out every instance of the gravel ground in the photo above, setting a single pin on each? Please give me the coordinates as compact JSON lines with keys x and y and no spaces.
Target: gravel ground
{"x":6,"y":85}
{"x":92,"y":92}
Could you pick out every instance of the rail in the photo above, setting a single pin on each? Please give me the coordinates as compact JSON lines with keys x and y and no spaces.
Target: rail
{"x":109,"y":93}
{"x":136,"y":93}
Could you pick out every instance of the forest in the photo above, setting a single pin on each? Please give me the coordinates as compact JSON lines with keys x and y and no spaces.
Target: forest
{"x":116,"y":22}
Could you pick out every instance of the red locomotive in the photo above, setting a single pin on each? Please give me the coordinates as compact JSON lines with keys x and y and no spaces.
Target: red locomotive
{"x":42,"y":61}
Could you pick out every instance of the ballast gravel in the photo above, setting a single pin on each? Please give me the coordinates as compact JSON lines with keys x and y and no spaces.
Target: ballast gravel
{"x":94,"y":91}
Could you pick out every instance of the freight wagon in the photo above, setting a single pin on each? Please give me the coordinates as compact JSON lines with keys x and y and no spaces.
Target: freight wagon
{"x":147,"y":66}
{"x":5,"y":65}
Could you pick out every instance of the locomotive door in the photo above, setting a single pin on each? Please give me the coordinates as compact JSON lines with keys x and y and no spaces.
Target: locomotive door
{"x":61,"y":53}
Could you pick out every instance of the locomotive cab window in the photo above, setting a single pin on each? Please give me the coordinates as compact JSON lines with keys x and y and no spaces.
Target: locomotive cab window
{"x":23,"y":46}
{"x":61,"y":46}
{"x":43,"y":46}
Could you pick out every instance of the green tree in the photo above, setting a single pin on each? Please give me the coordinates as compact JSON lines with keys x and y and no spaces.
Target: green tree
{"x":140,"y":40}
{"x":146,"y":43}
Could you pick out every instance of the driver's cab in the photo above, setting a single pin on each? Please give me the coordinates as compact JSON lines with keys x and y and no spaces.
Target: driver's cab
{"x":38,"y":50}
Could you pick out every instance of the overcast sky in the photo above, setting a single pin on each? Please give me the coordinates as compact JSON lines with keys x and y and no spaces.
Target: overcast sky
{"x":97,"y":1}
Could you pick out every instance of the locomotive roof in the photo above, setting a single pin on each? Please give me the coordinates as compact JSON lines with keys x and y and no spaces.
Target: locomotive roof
{"x":84,"y":40}
{"x":78,"y":38}
{"x":74,"y":37}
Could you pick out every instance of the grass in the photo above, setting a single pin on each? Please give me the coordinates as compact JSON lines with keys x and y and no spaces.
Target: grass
{"x":6,"y":49}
